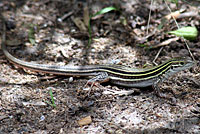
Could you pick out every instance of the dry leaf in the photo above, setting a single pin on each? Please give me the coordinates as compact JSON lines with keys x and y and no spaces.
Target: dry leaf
{"x":166,"y":42}
{"x":85,"y":121}
{"x":173,"y":14}
{"x":79,"y":23}
{"x":86,"y":17}
{"x":188,"y":14}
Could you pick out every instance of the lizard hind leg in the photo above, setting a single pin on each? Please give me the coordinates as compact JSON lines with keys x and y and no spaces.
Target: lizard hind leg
{"x":99,"y":78}
{"x":95,"y":81}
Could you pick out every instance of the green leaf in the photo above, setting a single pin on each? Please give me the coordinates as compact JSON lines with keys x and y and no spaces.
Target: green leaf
{"x":174,"y":1}
{"x":143,"y":45}
{"x":104,"y":10}
{"x":32,"y":41}
{"x":189,"y":33}
{"x":52,"y":99}
{"x":31,"y":33}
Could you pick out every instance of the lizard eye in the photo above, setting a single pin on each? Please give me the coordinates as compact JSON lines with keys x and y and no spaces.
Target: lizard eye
{"x":182,"y":63}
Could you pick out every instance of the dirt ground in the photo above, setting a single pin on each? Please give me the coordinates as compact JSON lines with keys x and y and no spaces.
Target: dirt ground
{"x":46,"y":32}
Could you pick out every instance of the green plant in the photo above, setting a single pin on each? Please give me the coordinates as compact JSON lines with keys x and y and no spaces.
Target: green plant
{"x":52,"y":103}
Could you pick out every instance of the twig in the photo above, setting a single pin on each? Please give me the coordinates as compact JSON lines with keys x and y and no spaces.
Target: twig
{"x":66,"y":15}
{"x":149,"y":18}
{"x":157,"y":56}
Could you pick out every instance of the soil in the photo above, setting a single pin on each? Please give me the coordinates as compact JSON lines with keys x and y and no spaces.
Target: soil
{"x":46,"y":32}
